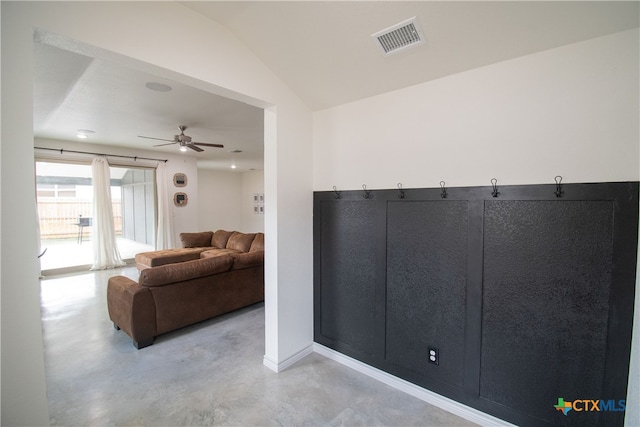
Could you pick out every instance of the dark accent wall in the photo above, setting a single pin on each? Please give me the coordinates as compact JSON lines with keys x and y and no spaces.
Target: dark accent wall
{"x":527,"y":297}
{"x":349,"y":260}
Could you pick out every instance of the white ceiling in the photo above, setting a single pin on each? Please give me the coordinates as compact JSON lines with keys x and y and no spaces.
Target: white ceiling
{"x":73,"y":91}
{"x":322,"y":50}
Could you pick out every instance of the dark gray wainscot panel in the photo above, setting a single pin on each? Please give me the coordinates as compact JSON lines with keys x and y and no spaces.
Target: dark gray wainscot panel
{"x":527,"y":297}
{"x":547,"y":275}
{"x":348,"y":266}
{"x":426,"y":281}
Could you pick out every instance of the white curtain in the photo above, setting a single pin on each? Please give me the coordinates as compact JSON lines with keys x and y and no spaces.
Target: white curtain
{"x":105,"y":249}
{"x":164,"y":233}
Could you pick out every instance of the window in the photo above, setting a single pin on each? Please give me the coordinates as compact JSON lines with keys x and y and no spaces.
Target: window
{"x":56,"y":191}
{"x":65,"y":207}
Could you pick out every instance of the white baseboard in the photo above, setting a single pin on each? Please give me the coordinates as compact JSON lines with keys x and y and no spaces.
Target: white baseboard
{"x":279,"y":367}
{"x":270,"y":364}
{"x":425,"y":395}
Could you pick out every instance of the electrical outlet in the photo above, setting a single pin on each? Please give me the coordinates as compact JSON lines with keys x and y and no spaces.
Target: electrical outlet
{"x":434,"y":355}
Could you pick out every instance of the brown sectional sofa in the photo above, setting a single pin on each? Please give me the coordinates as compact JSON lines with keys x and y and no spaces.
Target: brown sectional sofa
{"x":203,"y":245}
{"x":180,"y":287}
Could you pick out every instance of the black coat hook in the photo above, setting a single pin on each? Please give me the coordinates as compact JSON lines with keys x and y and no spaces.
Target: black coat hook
{"x":367,"y":193}
{"x":444,"y":190}
{"x":558,"y":191}
{"x":402,"y":194}
{"x":337,"y":193}
{"x":494,"y":184}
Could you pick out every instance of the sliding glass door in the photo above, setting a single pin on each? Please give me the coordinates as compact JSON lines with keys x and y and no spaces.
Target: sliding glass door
{"x":65,"y":208}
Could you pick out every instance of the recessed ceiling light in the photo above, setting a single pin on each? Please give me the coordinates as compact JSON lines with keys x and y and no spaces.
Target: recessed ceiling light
{"x":158,"y":87}
{"x":83,"y":133}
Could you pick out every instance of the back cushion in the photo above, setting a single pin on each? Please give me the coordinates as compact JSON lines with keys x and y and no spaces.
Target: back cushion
{"x":196,"y":240}
{"x":172,"y":273}
{"x":240,"y":241}
{"x":220,"y":238}
{"x":258,"y":243}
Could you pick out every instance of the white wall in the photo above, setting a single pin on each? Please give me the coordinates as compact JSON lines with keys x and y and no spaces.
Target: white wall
{"x":184,"y":216}
{"x":226,"y":200}
{"x":23,"y":398}
{"x":220,"y":200}
{"x":149,"y":36}
{"x":252,"y":183}
{"x":571,"y":111}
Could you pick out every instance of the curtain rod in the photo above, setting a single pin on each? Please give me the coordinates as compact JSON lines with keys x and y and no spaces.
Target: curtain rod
{"x":61,"y":150}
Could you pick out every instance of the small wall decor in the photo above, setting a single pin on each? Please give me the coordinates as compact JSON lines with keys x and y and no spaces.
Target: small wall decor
{"x":180,"y":199}
{"x":258,"y":203}
{"x":180,"y":180}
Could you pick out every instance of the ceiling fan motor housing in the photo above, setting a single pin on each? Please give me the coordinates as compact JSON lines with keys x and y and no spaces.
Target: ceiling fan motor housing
{"x":182,"y":138}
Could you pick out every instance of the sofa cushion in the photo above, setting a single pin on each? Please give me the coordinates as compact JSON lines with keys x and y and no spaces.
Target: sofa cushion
{"x":258,"y":243}
{"x":240,"y":241}
{"x":220,"y":238}
{"x":209,"y":253}
{"x":166,"y":256}
{"x":172,"y":273}
{"x":248,"y":259}
{"x":196,"y":240}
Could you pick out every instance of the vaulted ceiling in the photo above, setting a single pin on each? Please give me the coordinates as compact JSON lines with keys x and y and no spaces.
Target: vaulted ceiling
{"x":323,"y":50}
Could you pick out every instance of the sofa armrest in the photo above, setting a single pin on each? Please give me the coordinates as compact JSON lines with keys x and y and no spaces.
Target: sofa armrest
{"x":132,"y":309}
{"x":247,"y":259}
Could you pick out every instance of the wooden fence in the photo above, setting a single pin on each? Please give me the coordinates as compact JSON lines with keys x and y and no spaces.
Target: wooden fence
{"x":59,"y":219}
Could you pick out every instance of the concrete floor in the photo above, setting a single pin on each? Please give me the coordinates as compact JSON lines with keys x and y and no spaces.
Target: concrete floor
{"x":63,"y":255}
{"x":207,"y":374}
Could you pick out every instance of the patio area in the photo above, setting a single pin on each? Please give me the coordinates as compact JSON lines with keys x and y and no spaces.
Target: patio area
{"x":68,"y":254}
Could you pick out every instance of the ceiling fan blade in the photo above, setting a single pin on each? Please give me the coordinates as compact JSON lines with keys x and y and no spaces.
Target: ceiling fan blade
{"x":204,"y":144}
{"x":159,"y":139}
{"x":161,"y":145}
{"x":194,"y":148}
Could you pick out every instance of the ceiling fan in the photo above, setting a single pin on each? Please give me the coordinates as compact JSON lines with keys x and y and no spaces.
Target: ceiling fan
{"x":184,"y":141}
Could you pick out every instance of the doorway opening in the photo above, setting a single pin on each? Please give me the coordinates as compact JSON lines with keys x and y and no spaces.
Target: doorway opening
{"x":65,"y":208}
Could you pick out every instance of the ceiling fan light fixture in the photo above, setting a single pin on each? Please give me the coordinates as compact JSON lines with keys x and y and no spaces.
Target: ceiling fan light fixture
{"x":184,"y":141}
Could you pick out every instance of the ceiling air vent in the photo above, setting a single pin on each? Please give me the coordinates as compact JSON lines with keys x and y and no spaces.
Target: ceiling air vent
{"x":399,"y":37}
